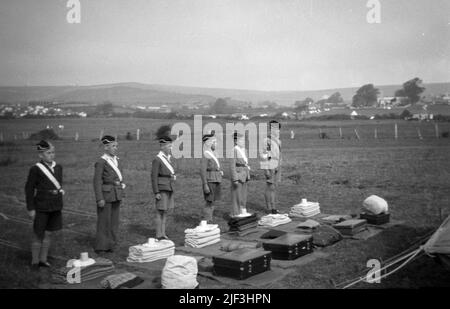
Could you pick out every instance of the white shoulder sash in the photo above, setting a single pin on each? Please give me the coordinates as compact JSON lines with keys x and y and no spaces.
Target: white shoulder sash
{"x":49,"y":175}
{"x":111,"y":163}
{"x":211,"y":154}
{"x":166,"y":163}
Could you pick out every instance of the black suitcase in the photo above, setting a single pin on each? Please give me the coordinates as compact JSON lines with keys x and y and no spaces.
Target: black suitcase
{"x":351,"y":227}
{"x":375,"y":219}
{"x":289,"y":246}
{"x":242,"y":263}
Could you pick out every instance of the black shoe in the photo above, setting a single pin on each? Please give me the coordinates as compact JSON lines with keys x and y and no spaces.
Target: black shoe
{"x":44,"y":264}
{"x":34,"y":267}
{"x":274,"y":211}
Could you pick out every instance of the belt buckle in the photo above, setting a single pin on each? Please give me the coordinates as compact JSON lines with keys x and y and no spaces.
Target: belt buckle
{"x":54,"y":192}
{"x":117,"y":183}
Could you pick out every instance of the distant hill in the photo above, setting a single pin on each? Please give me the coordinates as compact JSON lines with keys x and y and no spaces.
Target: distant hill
{"x":146,"y":94}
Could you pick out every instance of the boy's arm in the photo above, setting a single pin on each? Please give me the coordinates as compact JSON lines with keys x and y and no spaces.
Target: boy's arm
{"x":203,"y":167}
{"x":30,"y":185}
{"x":98,"y":181}
{"x":154,"y":176}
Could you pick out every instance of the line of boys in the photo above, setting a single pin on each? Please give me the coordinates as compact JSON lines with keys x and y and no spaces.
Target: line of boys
{"x":44,"y":192}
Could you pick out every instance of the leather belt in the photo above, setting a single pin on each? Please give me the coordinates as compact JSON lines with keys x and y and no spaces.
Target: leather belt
{"x":114,"y":183}
{"x":54,"y":192}
{"x":241,"y":165}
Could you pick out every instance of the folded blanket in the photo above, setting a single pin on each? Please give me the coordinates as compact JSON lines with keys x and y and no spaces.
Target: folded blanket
{"x":235,"y":221}
{"x":202,"y":234}
{"x":308,"y":225}
{"x":252,"y":225}
{"x":274,"y":220}
{"x":202,"y":240}
{"x":189,"y":243}
{"x":163,"y":254}
{"x":146,"y":248}
{"x":118,"y":281}
{"x":202,"y":229}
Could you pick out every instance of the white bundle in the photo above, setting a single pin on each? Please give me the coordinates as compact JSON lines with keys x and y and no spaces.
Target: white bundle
{"x":179,"y":272}
{"x":202,"y":236}
{"x":375,"y":205}
{"x":305,"y":209}
{"x":274,"y":220}
{"x":150,"y":252}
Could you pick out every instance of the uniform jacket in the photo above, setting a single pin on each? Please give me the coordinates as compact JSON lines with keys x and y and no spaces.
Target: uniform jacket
{"x":37,"y":189}
{"x":270,"y":154}
{"x":106,"y":182}
{"x":241,"y":173}
{"x":209,"y":170}
{"x":161,"y":176}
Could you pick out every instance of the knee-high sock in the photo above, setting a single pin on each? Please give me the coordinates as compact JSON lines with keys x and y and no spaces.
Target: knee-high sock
{"x":208,"y":211}
{"x":44,"y":249}
{"x":163,"y":224}
{"x":158,"y":221}
{"x":35,"y":251}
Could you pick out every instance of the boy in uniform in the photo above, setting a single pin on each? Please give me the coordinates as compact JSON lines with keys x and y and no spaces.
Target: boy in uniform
{"x":108,"y":188}
{"x":163,"y":180}
{"x":271,"y":164}
{"x":240,"y":175}
{"x":211,"y":175}
{"x":44,"y":199}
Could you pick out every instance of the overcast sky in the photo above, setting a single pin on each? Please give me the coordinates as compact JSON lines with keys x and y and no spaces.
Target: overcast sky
{"x":245,"y":44}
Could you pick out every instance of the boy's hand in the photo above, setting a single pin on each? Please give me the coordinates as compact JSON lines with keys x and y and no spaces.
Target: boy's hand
{"x":101,"y":203}
{"x":235,"y":183}
{"x":32,"y":214}
{"x":206,"y":189}
{"x":158,"y":196}
{"x":62,"y":191}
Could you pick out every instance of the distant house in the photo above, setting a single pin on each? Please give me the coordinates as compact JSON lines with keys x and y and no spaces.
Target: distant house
{"x":353,"y":114}
{"x":420,"y":112}
{"x":389,"y":102}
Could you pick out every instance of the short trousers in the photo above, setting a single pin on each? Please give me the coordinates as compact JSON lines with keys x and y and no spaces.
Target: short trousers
{"x":215,"y":192}
{"x":166,"y":202}
{"x":47,"y":221}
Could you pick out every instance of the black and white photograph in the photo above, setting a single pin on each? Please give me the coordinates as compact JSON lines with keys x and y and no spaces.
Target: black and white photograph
{"x":225,"y":149}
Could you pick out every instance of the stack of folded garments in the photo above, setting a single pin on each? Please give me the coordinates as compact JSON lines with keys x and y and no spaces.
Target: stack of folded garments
{"x":99,"y":268}
{"x":305,"y":209}
{"x":202,"y":236}
{"x":274,"y":220}
{"x":151,"y":251}
{"x":243,"y":225}
{"x":123,"y":280}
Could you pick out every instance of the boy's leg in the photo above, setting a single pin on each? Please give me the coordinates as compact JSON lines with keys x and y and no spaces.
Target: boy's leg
{"x":158,"y":221}
{"x":115,"y":210}
{"x":45,"y":247}
{"x":163,"y":223}
{"x":244,"y":195}
{"x":36,"y":244}
{"x":103,"y":236}
{"x":208,"y":211}
{"x":236,"y":198}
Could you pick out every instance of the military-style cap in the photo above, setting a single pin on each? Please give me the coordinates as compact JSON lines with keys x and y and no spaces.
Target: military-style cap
{"x":108,"y":139}
{"x":43,"y":145}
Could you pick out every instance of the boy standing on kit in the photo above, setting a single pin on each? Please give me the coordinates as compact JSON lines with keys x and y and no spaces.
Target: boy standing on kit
{"x":163,"y":179}
{"x":108,"y":188}
{"x":271,"y":164}
{"x":211,"y":175}
{"x":44,"y":199}
{"x":240,"y":175}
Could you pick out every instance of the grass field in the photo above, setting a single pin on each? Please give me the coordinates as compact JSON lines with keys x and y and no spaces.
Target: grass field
{"x":412,"y":174}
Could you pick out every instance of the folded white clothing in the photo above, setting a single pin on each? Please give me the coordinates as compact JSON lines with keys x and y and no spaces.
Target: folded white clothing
{"x":202,"y":240}
{"x":274,"y":220}
{"x":304,"y":215}
{"x":202,"y":229}
{"x":150,"y":257}
{"x":157,"y":246}
{"x":203,"y":234}
{"x":188,"y":243}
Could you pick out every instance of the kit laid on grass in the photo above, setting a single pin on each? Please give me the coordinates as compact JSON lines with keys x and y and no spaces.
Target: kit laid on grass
{"x":289,"y":246}
{"x":379,"y":219}
{"x":351,"y":227}
{"x":242,"y":263}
